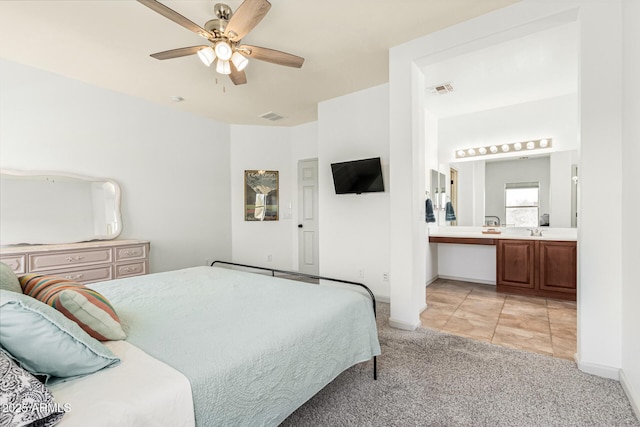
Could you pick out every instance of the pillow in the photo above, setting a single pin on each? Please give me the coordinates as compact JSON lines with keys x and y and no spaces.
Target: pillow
{"x":8,"y":279}
{"x":23,"y":399}
{"x":46,"y":343}
{"x":89,"y":309}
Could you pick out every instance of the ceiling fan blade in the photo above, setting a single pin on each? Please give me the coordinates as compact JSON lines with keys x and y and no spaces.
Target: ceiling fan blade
{"x":177,"y":53}
{"x":271,"y":55}
{"x":246,"y":17}
{"x":176,"y":17}
{"x":237,"y":77}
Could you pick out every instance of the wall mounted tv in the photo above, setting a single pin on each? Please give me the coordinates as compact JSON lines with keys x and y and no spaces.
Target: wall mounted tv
{"x":358,"y":176}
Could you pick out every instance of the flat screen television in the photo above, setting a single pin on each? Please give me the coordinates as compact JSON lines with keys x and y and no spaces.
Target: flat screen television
{"x":358,"y":176}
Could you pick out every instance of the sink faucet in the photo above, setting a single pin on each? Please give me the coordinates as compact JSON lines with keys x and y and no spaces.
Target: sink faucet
{"x":492,"y":220}
{"x":535,"y":232}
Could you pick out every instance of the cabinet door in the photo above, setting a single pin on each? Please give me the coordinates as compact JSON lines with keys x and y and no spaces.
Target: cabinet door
{"x":558,"y":263}
{"x":516,"y":263}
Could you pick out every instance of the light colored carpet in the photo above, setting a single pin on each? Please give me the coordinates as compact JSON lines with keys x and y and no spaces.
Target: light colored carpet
{"x":429,"y":378}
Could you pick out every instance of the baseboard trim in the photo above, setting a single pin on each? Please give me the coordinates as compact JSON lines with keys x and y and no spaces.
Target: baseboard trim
{"x":381,"y":298}
{"x":433,"y":279}
{"x":599,"y":370}
{"x":399,"y":324}
{"x":634,"y":399}
{"x":424,"y":307}
{"x":468,"y":279}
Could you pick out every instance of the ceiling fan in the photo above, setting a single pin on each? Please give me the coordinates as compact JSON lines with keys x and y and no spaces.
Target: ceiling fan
{"x":225,"y":33}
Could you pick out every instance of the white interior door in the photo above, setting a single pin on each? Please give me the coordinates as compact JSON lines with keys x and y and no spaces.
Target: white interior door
{"x":308,"y":217}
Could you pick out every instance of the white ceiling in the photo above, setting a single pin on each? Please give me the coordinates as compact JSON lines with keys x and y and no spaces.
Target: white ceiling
{"x":538,"y":66}
{"x":107,"y":43}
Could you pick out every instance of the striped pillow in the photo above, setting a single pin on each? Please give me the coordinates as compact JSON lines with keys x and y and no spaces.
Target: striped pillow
{"x":89,"y":309}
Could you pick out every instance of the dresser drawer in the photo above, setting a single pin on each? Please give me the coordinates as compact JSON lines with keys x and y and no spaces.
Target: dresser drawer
{"x":16,"y":262}
{"x":85,"y":275}
{"x":131,"y":253}
{"x":131,"y":269}
{"x":44,"y":262}
{"x":84,"y":262}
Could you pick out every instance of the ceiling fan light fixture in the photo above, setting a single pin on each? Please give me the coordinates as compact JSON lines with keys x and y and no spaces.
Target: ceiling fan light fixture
{"x":239,"y":61}
{"x":223,"y":51}
{"x":207,"y":56}
{"x":223,"y":67}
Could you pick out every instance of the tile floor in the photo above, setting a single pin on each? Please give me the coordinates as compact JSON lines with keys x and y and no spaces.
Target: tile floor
{"x":477,"y":311}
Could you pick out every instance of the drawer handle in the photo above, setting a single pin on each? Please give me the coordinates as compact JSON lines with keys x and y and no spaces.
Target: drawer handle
{"x":129,"y":252}
{"x":129,"y":269}
{"x":74,"y":258}
{"x":76,"y":277}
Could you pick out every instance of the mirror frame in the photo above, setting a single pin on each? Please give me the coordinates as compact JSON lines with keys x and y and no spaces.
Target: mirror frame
{"x":117,"y":201}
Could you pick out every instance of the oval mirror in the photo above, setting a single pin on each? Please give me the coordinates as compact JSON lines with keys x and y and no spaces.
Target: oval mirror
{"x":52,"y":208}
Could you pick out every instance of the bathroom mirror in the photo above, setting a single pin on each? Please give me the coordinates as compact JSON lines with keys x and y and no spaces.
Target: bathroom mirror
{"x":482,"y":184}
{"x":52,"y":208}
{"x":438,"y":189}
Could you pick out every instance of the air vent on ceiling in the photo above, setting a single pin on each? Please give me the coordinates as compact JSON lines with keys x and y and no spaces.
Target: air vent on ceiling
{"x":271,"y":116}
{"x":442,"y":89}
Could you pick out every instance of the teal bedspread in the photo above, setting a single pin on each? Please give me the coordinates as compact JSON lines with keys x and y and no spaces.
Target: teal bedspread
{"x":254,"y":347}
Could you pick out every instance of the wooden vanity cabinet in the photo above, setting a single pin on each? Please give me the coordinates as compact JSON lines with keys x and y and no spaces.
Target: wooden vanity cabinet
{"x":537,"y":267}
{"x":516,"y":264}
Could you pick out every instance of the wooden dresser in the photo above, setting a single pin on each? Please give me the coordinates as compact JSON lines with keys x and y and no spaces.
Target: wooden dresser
{"x":85,"y":262}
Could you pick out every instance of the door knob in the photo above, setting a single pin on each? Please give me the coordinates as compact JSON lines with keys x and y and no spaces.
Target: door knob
{"x":299,"y":225}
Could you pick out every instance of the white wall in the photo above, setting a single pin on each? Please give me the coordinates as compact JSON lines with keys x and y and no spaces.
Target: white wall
{"x":354,"y":229}
{"x":630,"y":376}
{"x":262,"y":148}
{"x":599,"y":253}
{"x":555,"y":118}
{"x":173,"y":167}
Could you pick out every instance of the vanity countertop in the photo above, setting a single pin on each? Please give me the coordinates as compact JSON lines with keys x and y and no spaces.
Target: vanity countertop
{"x":558,"y":234}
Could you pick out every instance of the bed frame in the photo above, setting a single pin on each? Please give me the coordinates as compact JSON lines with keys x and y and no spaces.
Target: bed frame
{"x":310,"y":276}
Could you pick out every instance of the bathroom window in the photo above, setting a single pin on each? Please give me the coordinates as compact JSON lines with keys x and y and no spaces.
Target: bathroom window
{"x":522,"y":204}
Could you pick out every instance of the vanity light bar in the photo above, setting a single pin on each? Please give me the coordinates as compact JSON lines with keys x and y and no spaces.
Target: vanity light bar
{"x":534,"y":144}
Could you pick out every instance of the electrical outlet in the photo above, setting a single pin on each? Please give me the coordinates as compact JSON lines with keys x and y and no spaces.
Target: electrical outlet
{"x":269,"y":258}
{"x":385,"y":277}
{"x":361,"y":273}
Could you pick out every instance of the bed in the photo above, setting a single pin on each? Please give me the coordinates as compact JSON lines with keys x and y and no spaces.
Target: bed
{"x":217,"y":346}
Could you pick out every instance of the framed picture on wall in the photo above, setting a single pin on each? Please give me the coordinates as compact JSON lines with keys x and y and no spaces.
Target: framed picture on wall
{"x":260,"y":195}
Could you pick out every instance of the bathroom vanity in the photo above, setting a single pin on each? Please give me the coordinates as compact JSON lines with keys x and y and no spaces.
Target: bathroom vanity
{"x":543,"y":266}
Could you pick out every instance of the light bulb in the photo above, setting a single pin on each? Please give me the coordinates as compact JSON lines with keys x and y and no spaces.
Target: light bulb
{"x":223,"y":51}
{"x":461,"y":153}
{"x":207,"y":56}
{"x":223,"y":67}
{"x":505,"y":147}
{"x":471,"y":152}
{"x":544,"y":143}
{"x":531,"y":145}
{"x":493,"y":149}
{"x":239,"y":61}
{"x":517,"y":146}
